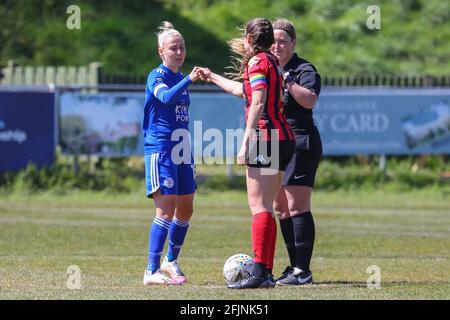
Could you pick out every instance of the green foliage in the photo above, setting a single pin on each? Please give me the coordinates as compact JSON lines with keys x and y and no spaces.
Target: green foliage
{"x":221,"y":183}
{"x":123,"y":175}
{"x":399,"y":175}
{"x":111,"y":175}
{"x":120,"y":36}
{"x":413,"y":38}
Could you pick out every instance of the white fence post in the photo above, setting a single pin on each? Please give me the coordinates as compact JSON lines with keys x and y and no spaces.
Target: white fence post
{"x":29,"y":75}
{"x":18,"y":75}
{"x":61,"y":75}
{"x":39,"y":76}
{"x":93,"y":75}
{"x":49,"y":75}
{"x":9,"y":72}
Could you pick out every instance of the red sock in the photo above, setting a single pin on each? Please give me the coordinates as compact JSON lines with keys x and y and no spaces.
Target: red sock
{"x":261,"y":237}
{"x":273,"y":242}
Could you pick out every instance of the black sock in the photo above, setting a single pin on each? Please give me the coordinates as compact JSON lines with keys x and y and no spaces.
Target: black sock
{"x":259,"y":270}
{"x":304,"y":233}
{"x":287,"y":229}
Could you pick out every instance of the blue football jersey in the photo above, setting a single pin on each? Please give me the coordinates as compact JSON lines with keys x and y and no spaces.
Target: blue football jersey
{"x":166,"y":108}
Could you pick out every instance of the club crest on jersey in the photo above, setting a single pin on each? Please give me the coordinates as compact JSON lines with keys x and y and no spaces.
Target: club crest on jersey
{"x":168,"y":183}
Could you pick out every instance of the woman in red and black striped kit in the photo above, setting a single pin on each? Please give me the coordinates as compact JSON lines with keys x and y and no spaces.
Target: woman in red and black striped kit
{"x":268,"y":143}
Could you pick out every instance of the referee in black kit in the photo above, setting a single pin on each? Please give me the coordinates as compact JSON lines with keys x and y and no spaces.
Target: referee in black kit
{"x":294,"y":200}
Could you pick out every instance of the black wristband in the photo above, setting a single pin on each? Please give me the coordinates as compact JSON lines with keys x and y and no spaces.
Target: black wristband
{"x":289,"y":78}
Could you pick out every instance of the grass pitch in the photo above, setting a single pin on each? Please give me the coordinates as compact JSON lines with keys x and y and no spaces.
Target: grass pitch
{"x":407,"y":235}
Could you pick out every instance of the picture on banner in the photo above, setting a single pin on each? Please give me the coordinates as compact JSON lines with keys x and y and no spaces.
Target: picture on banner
{"x":428,"y":126}
{"x":107,"y":125}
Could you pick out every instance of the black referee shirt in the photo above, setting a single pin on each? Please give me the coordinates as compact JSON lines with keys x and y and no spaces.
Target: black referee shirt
{"x":305,"y":74}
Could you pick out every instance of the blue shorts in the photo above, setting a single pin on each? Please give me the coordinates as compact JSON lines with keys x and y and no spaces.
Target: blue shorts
{"x":161,"y":173}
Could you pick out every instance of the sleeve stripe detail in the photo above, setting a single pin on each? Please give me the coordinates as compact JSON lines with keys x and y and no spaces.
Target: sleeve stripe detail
{"x":159,"y":86}
{"x":257,"y":77}
{"x":257,"y":82}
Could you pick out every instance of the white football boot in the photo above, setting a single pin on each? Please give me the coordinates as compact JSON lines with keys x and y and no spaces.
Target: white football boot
{"x":157,"y":277}
{"x":173,"y":270}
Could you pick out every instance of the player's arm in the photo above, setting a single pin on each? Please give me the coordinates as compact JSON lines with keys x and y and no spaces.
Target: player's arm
{"x":170,"y":96}
{"x":304,"y":96}
{"x":227,"y":85}
{"x":230,"y":86}
{"x":256,"y":109}
{"x":254,"y":114}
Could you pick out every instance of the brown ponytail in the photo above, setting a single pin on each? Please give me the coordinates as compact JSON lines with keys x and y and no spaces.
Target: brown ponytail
{"x":261,"y":31}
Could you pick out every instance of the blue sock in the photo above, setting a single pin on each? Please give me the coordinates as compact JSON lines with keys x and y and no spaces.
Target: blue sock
{"x":177,"y":233}
{"x":156,"y":239}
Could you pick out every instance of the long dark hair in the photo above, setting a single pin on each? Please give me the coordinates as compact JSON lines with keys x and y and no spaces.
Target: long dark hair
{"x":261,"y":30}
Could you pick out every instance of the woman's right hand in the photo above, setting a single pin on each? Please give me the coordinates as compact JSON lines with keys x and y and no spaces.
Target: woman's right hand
{"x":194,"y":75}
{"x":242,"y":155}
{"x":205,"y":74}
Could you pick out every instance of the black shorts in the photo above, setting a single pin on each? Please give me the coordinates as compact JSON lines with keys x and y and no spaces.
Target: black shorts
{"x":301,"y":171}
{"x":260,"y":154}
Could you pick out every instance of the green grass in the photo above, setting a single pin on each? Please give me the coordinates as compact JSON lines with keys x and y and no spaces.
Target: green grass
{"x":406,"y":234}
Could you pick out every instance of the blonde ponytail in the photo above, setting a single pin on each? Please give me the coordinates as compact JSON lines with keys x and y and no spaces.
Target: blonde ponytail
{"x":166,"y":29}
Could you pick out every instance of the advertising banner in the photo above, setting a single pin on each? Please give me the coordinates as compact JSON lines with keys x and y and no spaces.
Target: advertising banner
{"x":384,"y":121}
{"x":350,"y":121}
{"x":27,"y":129}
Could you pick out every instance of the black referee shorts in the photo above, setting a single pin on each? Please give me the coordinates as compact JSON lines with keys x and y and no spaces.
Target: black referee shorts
{"x":264,"y":154}
{"x":301,"y":170}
